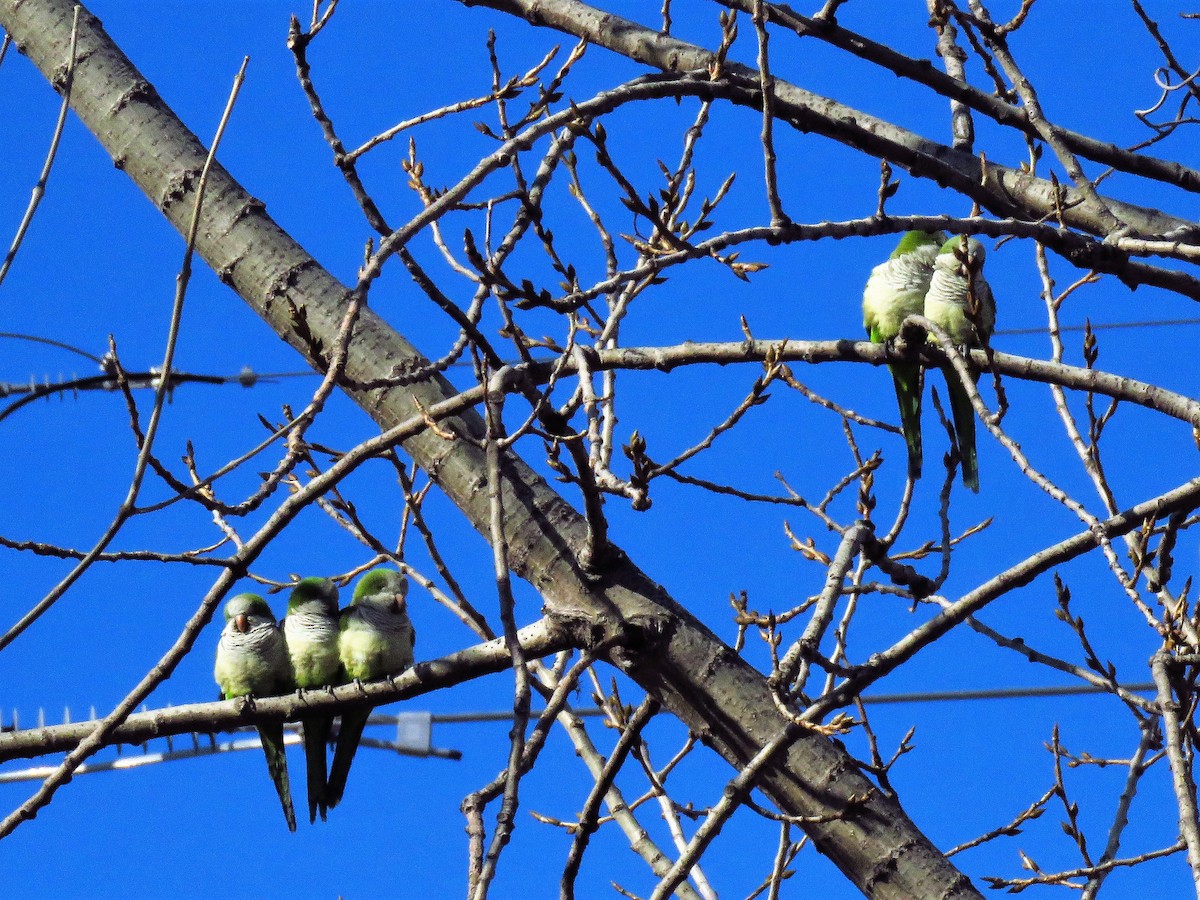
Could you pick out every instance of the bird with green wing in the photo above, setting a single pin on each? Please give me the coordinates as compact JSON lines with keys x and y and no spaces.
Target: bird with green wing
{"x":252,"y":659}
{"x":375,"y":640}
{"x":311,"y":631}
{"x":961,"y":302}
{"x":895,"y":290}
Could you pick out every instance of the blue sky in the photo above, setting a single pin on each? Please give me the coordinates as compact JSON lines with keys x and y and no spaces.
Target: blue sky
{"x":100,"y":260}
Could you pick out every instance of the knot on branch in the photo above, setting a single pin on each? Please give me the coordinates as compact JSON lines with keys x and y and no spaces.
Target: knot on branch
{"x":900,"y":574}
{"x":912,"y":336}
{"x":509,"y":379}
{"x":607,"y":634}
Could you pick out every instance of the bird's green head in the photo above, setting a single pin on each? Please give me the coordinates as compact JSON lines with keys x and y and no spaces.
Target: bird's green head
{"x":320,"y":591}
{"x":244,"y":607}
{"x":915,"y":240}
{"x":955,"y":247}
{"x":387,"y":583}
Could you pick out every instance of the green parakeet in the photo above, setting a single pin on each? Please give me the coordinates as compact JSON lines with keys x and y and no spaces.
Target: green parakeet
{"x":896,"y":289}
{"x":961,"y":302}
{"x":311,"y":630}
{"x":375,"y":640}
{"x":252,"y":659}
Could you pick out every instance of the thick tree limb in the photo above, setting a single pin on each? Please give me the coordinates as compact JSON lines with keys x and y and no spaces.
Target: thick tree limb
{"x":1003,"y":113}
{"x":1004,"y":191}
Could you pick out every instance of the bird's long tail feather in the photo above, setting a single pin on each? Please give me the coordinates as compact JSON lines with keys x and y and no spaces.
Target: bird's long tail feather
{"x":316,"y":740}
{"x":349,"y":734}
{"x":271,"y":735}
{"x":964,"y":429}
{"x":907,"y":379}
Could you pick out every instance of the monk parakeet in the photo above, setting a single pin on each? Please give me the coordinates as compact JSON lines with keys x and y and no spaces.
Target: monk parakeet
{"x":375,"y":640}
{"x":896,"y":289}
{"x":252,"y":659}
{"x":961,"y":302}
{"x":311,"y":629}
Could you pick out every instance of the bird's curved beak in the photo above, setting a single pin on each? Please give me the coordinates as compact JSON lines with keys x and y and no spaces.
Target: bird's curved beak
{"x":241,"y":623}
{"x":398,"y":602}
{"x":970,"y":261}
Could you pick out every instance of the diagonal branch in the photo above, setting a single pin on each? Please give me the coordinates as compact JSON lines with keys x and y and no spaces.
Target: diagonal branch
{"x":654,"y":640}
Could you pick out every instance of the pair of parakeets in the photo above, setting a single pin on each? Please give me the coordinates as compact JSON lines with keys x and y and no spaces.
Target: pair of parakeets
{"x":943,"y":281}
{"x":315,"y":646}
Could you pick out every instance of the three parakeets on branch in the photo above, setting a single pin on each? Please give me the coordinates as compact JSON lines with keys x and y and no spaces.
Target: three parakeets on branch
{"x":942,"y":280}
{"x":311,"y":631}
{"x":316,"y":647}
{"x":375,"y":640}
{"x":252,"y":658}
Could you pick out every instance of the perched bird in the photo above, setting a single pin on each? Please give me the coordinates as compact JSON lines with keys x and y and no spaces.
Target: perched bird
{"x":375,"y":640}
{"x":252,"y":659}
{"x":311,"y":630}
{"x":961,"y":302}
{"x":896,"y":289}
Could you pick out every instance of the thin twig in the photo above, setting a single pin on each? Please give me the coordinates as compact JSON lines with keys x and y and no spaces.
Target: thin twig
{"x":39,"y":189}
{"x":159,"y":673}
{"x":1180,"y":760}
{"x":128,"y":505}
{"x":778,"y":216}
{"x":1137,"y":767}
{"x":505,"y":818}
{"x":631,"y":733}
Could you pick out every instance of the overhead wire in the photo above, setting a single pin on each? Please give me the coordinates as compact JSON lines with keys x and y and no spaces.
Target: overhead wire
{"x":247,"y":377}
{"x":413,"y":737}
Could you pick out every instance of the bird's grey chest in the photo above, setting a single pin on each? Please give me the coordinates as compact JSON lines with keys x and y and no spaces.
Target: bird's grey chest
{"x":312,"y":641}
{"x":897,"y":289}
{"x":378,"y":643}
{"x":252,"y":663}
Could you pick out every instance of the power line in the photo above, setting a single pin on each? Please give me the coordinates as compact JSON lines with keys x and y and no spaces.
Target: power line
{"x":1013,"y":693}
{"x":14,"y":336}
{"x":412,"y":737}
{"x":248,"y":377}
{"x":1103,"y":326}
{"x":1005,"y":693}
{"x":34,"y":390}
{"x":413,"y":730}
